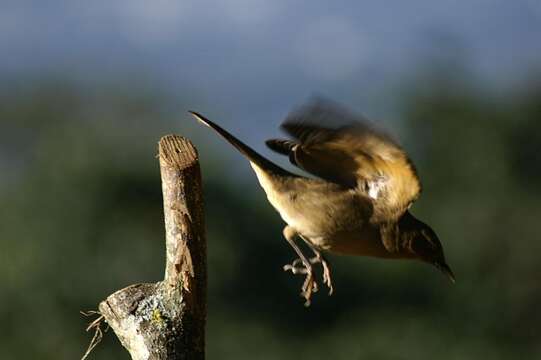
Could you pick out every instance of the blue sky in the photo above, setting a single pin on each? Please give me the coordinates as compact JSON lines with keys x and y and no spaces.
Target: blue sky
{"x":260,"y":57}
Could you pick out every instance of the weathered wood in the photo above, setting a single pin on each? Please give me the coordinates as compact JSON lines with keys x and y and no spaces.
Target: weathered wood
{"x":167,"y":320}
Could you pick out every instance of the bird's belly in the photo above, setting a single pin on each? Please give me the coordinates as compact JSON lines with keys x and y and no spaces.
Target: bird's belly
{"x":331,"y":218}
{"x":356,"y":238}
{"x":318,"y":216}
{"x":309,"y":229}
{"x":333,"y":226}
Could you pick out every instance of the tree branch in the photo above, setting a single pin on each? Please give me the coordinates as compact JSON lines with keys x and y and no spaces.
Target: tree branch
{"x":166,"y":320}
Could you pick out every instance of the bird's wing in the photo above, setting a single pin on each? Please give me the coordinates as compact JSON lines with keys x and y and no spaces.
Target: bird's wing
{"x":340,"y":147}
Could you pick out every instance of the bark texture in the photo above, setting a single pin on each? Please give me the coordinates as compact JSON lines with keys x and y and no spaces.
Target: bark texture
{"x":166,"y":320}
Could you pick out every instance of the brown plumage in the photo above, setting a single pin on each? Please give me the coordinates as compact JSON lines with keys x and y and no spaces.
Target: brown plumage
{"x":357,"y":204}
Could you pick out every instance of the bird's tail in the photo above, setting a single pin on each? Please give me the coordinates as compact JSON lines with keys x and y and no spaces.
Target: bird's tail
{"x":247,"y":151}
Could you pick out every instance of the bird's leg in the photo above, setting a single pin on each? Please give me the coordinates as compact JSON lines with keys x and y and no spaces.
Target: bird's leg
{"x":319,"y":258}
{"x":297,"y":266}
{"x":309,"y":285}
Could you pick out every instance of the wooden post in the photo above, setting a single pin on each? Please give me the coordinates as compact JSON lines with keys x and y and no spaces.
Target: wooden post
{"x":166,"y":320}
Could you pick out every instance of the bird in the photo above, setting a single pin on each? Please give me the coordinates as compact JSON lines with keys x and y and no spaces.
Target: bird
{"x":355,"y":199}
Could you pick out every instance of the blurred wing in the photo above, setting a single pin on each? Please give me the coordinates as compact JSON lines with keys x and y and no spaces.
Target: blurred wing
{"x":340,"y":147}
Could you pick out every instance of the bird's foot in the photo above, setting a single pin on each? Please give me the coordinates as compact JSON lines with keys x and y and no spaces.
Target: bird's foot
{"x":326,"y":274}
{"x":298,"y":267}
{"x":310,"y":285}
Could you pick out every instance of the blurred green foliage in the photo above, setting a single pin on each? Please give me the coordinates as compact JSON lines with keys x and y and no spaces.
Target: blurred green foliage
{"x":79,"y":183}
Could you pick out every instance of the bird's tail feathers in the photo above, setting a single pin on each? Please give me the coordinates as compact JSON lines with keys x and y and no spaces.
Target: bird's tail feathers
{"x":247,"y":151}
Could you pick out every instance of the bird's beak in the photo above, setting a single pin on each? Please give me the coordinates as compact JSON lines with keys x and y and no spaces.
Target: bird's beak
{"x":444,"y":268}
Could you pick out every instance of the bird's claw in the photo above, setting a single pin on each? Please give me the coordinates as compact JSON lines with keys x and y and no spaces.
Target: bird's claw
{"x":310,"y":285}
{"x":298,"y":267}
{"x":326,"y":275}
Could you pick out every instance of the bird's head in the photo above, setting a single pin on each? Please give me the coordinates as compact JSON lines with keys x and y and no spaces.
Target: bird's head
{"x":423,"y":244}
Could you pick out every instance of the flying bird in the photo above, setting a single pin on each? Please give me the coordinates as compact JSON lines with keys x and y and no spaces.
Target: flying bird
{"x":356,"y":203}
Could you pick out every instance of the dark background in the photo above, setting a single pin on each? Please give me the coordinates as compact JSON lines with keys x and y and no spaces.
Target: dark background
{"x":88,"y":88}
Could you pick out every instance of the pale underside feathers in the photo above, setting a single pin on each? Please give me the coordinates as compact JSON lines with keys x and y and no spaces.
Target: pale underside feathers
{"x":337,"y":146}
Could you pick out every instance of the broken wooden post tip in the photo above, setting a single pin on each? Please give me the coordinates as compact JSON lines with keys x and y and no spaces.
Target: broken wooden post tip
{"x":177,"y":151}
